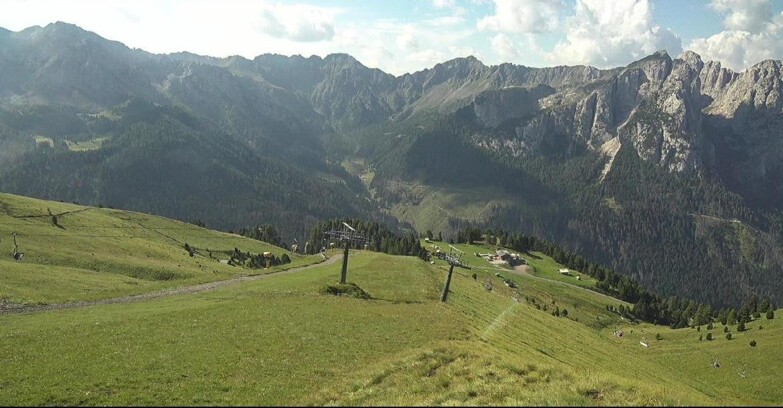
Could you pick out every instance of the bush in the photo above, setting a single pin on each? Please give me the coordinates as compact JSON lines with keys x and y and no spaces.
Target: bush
{"x":658,"y":336}
{"x":741,"y":326}
{"x":710,"y":326}
{"x":728,"y":336}
{"x":700,"y":337}
{"x":770,"y":314}
{"x":474,"y":276}
{"x":709,"y":336}
{"x":348,"y":290}
{"x":753,"y":343}
{"x":564,"y":313}
{"x":284,"y":259}
{"x":725,"y":329}
{"x":698,"y":328}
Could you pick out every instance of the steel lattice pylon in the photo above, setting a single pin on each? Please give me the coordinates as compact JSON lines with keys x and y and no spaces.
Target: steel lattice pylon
{"x":348,"y":236}
{"x":453,"y":258}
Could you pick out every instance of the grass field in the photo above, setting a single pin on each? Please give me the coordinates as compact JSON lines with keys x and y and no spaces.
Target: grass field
{"x":96,"y":253}
{"x":87,"y":145}
{"x":283,"y":340}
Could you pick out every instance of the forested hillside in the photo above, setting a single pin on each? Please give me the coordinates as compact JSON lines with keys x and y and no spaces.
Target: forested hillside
{"x":666,"y":170}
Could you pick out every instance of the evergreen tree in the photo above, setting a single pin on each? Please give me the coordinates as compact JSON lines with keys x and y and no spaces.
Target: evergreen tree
{"x":744,"y":313}
{"x":732,"y":317}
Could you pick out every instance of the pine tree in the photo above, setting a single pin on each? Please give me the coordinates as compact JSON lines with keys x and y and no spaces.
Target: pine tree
{"x":744,"y":313}
{"x":732,"y":317}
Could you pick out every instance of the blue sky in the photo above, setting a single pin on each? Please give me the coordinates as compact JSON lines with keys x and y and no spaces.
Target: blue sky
{"x":410,"y":35}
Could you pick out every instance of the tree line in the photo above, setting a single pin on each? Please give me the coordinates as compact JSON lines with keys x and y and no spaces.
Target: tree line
{"x":674,"y":311}
{"x":379,"y":238}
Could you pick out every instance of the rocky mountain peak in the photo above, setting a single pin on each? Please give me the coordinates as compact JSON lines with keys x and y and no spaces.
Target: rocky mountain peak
{"x":692,"y":59}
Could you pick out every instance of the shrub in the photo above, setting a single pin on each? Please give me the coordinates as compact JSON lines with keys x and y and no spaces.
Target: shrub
{"x":284,"y":259}
{"x":564,"y":313}
{"x":741,"y":326}
{"x":753,"y":343}
{"x":658,"y":336}
{"x":474,"y":276}
{"x":710,"y":326}
{"x":709,"y":336}
{"x":700,"y":337}
{"x":725,"y":329}
{"x":698,"y":328}
{"x":347,"y":289}
{"x":770,"y":314}
{"x":728,"y":336}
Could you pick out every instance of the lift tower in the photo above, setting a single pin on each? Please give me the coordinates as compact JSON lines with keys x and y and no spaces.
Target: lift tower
{"x":453,"y":258}
{"x":348,"y":236}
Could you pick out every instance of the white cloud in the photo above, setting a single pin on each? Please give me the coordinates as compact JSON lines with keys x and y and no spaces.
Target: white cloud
{"x":444,"y":3}
{"x":233,"y":27}
{"x":607,"y":33}
{"x":522,"y":16}
{"x":409,"y":40}
{"x":428,"y":57}
{"x":753,"y":33}
{"x":745,"y":15}
{"x":504,"y":47}
{"x":297,"y":22}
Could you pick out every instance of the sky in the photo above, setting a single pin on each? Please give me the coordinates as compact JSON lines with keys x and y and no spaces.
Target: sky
{"x":403,"y":36}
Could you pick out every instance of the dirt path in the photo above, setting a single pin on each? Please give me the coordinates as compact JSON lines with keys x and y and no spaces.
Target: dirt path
{"x":185,"y":290}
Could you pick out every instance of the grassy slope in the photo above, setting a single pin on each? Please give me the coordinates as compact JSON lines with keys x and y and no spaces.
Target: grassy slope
{"x":103,"y":253}
{"x":282,"y":341}
{"x":431,"y":207}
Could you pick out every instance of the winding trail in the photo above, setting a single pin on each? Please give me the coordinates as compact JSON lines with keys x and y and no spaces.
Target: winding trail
{"x":185,"y":290}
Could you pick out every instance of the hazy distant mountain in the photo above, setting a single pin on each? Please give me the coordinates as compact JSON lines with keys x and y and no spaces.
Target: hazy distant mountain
{"x":668,"y":170}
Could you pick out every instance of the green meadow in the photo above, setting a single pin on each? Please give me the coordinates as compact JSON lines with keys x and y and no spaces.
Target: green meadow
{"x":98,"y":253}
{"x":284,"y":340}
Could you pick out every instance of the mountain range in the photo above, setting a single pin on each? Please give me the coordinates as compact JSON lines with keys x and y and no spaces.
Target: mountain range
{"x":667,"y":170}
